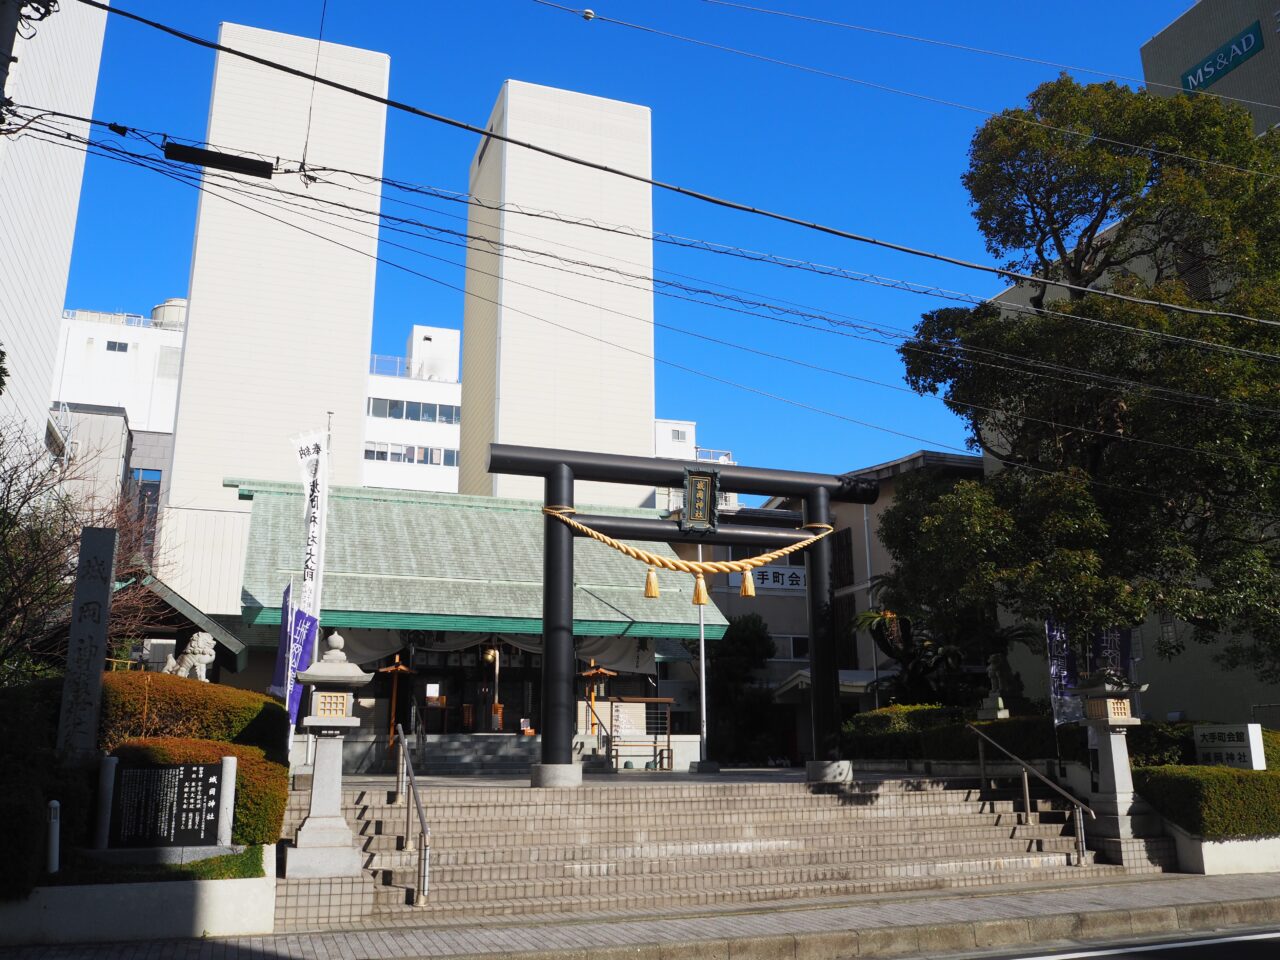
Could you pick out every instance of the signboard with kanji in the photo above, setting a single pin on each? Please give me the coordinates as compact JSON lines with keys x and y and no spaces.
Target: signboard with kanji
{"x":701,"y":491}
{"x":773,"y":576}
{"x":169,"y":806}
{"x":1230,"y":745}
{"x":87,"y":644}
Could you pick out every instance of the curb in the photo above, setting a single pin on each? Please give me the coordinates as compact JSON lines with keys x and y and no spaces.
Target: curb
{"x":931,"y":939}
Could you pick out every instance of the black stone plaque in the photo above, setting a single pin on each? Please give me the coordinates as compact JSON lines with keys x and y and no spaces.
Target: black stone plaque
{"x":701,"y":493}
{"x":171,"y":806}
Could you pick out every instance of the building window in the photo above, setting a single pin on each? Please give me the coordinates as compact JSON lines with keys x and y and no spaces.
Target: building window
{"x":791,"y":648}
{"x":448,"y":413}
{"x":375,"y":451}
{"x":428,"y":413}
{"x":117,"y":346}
{"x":413,"y":410}
{"x":377,"y":407}
{"x":451,"y":458}
{"x":679,"y":436}
{"x":395,"y":409}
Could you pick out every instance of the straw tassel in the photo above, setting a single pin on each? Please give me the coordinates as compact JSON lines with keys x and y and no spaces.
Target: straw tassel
{"x":700,"y":597}
{"x":748,"y":588}
{"x":651,"y":583}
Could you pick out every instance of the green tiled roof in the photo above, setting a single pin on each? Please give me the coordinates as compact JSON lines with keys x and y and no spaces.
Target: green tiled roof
{"x":436,"y":561}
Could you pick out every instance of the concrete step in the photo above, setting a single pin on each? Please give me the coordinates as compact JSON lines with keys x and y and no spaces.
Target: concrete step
{"x":503,"y":834}
{"x":727,"y":877}
{"x":389,"y":910}
{"x":716,"y":860}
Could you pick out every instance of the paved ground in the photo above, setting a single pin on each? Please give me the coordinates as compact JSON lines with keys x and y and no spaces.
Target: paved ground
{"x":931,"y":925}
{"x":1258,"y":946}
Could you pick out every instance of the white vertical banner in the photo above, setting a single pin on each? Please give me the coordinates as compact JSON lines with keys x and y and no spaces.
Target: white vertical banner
{"x":313,"y":461}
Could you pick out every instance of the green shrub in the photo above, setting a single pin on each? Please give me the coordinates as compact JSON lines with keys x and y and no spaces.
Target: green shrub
{"x":262,"y":786}
{"x":1217,"y":803}
{"x":937,"y":733}
{"x":145,"y":705}
{"x":1271,"y":748}
{"x":900,"y":718}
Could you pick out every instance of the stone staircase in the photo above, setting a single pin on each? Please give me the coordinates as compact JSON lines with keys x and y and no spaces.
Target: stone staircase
{"x":631,"y":845}
{"x":475,"y":754}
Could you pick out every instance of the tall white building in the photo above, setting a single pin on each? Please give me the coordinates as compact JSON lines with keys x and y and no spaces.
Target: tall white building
{"x":413,"y":415}
{"x":56,"y":68}
{"x":571,"y":368}
{"x":279,"y":321}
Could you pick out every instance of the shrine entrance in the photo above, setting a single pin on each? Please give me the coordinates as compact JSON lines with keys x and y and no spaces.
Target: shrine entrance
{"x":698,"y":524}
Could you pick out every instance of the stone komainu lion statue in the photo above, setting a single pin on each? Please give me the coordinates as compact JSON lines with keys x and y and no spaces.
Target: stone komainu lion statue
{"x":199,"y":653}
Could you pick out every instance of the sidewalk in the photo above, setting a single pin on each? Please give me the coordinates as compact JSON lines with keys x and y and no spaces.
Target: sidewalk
{"x":933,"y":924}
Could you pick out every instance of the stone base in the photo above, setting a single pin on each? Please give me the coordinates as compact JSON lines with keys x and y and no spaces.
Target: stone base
{"x":1136,"y":852}
{"x":555,"y":775}
{"x":704,"y":766}
{"x":828,"y":771}
{"x":312,"y":862}
{"x":161,"y":854}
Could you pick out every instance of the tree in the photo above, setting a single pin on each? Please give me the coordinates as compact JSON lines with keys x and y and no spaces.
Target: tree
{"x":738,"y":721}
{"x":40,"y":524}
{"x":1139,"y":470}
{"x":937,"y":612}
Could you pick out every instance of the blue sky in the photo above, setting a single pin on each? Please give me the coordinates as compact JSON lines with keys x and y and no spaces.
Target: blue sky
{"x":869,"y":161}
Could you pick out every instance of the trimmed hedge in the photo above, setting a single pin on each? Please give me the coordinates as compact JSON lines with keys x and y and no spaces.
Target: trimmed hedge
{"x":900,"y":718}
{"x":148,"y":705}
{"x":1217,"y":803}
{"x":262,"y":786}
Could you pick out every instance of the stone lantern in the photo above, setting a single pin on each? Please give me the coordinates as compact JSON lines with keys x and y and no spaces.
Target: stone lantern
{"x":325,"y":844}
{"x":1121,"y":815}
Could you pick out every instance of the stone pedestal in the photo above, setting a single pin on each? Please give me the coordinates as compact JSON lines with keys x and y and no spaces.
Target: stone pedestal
{"x":704,"y":766}
{"x":828,"y":771}
{"x":993,"y":708}
{"x":555,"y":775}
{"x":325,"y":846}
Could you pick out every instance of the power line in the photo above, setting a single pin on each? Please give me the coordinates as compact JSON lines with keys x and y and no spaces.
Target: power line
{"x":952,"y":45}
{"x":308,"y":212}
{"x":696,"y":372}
{"x":1093,"y":378}
{"x":898,"y":91}
{"x":315,"y":72}
{"x":663,"y":185}
{"x":727,"y":249}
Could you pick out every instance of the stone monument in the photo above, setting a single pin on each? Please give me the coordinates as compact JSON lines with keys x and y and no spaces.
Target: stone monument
{"x":325,"y":845}
{"x":993,"y":707}
{"x":87,"y":646}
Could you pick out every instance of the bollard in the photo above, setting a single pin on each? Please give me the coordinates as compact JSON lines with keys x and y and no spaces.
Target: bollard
{"x":54,"y":838}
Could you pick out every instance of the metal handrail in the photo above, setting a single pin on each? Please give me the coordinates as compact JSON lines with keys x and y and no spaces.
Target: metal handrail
{"x":1026,"y":791}
{"x":404,"y":767}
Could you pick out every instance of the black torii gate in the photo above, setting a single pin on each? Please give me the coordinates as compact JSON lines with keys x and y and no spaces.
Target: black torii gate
{"x":560,"y":468}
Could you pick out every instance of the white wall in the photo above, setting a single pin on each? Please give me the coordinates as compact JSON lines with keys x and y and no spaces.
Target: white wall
{"x":39,"y":195}
{"x":143,"y":379}
{"x":586,"y":384}
{"x":279,"y":322}
{"x":666,"y":444}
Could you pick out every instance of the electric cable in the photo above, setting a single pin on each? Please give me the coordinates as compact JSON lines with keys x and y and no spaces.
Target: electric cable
{"x":307,"y":212}
{"x":664,"y":185}
{"x":898,"y":91}
{"x":1003,"y":54}
{"x":1108,"y":381}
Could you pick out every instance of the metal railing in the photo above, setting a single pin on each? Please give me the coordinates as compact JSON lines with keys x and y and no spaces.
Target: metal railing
{"x":404,"y":768}
{"x":1079,"y":808}
{"x":381,"y":365}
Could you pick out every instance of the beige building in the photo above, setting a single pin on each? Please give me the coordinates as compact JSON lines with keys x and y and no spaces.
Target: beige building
{"x":1226,"y":48}
{"x":571,"y":371}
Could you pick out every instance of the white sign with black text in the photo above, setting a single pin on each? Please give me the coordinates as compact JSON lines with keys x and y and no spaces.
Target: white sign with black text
{"x":774,"y":576}
{"x":1230,"y":745}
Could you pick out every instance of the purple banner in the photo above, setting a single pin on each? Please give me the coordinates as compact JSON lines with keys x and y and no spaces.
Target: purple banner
{"x":297,"y":639}
{"x":1064,"y":675}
